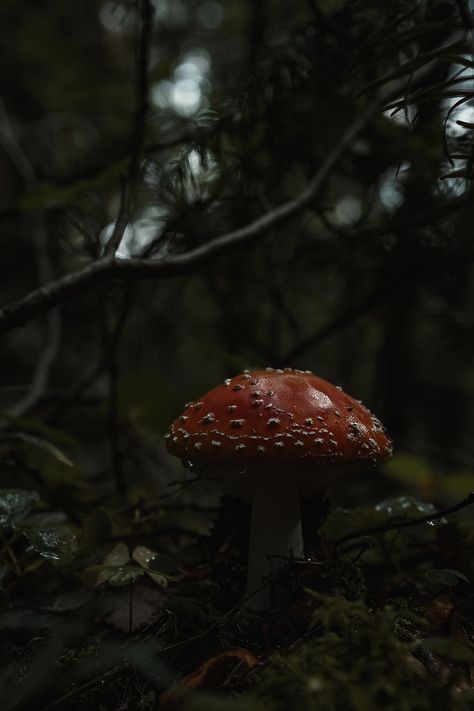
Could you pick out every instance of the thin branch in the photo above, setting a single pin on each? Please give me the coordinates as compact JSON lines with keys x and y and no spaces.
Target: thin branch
{"x":52,"y":338}
{"x":468,"y":501}
{"x":37,"y":227}
{"x":129,"y":180}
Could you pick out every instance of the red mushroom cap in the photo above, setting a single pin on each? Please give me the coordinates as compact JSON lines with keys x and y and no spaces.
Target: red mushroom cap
{"x":275,"y":416}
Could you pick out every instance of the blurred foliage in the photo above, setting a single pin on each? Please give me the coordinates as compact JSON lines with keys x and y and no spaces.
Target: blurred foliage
{"x":370,"y":286}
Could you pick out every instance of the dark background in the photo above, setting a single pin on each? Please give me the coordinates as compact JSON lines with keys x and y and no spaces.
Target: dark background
{"x":369,"y":285}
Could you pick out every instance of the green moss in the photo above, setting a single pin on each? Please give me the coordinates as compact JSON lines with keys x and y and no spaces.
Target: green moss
{"x":356,"y":663}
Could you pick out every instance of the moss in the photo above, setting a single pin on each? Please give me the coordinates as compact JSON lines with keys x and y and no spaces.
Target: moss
{"x":356,"y":663}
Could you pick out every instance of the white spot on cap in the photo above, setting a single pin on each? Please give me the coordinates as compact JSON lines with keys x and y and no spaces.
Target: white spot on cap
{"x":197,"y":445}
{"x":183,"y":418}
{"x":260,"y":448}
{"x":232,"y":408}
{"x":279,"y":443}
{"x":318,"y":440}
{"x":167,"y":435}
{"x":240,"y":446}
{"x":256,"y":403}
{"x":273,"y":422}
{"x":299,"y":443}
{"x":236,"y":423}
{"x":210,"y":417}
{"x":308,"y":421}
{"x":237,"y":387}
{"x":215,"y":443}
{"x":227,"y":381}
{"x":270,"y":393}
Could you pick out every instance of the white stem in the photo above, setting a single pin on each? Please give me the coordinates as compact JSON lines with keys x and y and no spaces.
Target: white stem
{"x":275,"y":530}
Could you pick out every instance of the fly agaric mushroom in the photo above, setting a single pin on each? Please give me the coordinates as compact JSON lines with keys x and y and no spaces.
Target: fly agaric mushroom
{"x":278,"y":433}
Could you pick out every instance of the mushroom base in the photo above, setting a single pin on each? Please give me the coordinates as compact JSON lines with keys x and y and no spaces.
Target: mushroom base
{"x":275,"y":536}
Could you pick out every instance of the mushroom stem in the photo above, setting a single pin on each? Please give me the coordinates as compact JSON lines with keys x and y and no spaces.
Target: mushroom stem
{"x":275,"y":535}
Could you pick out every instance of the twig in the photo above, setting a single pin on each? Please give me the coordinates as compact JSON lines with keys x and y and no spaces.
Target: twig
{"x":37,"y":227}
{"x":468,"y":501}
{"x":138,"y":138}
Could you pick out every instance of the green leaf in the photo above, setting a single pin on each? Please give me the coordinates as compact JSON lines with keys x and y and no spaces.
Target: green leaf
{"x":52,"y":536}
{"x":150,"y":561}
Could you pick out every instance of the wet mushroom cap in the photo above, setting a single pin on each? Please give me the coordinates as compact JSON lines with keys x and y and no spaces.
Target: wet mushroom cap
{"x":275,"y":416}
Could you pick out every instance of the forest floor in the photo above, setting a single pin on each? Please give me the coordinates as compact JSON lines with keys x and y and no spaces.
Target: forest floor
{"x":139,"y":605}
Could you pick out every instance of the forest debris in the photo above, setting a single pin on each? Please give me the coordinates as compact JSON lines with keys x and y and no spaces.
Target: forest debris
{"x":214,"y":673}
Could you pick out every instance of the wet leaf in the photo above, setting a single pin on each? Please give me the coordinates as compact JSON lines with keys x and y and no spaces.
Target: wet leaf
{"x":446,"y":576}
{"x":143,"y":555}
{"x":150,"y":560}
{"x":52,"y":536}
{"x":15,"y":504}
{"x":409,"y":507}
{"x":449,"y":649}
{"x":118,"y":556}
{"x":124,"y":576}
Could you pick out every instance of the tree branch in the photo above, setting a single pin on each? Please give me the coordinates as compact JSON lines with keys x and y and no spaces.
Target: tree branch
{"x":45,"y":298}
{"x":107,"y":268}
{"x":468,"y":501}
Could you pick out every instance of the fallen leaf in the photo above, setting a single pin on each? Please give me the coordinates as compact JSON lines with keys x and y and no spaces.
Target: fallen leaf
{"x":214,"y":673}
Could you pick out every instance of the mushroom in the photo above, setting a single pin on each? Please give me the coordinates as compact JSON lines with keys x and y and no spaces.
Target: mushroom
{"x":276,"y":434}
